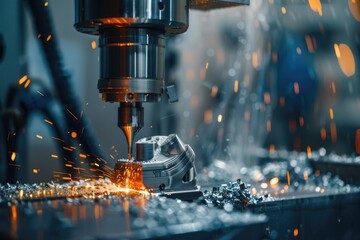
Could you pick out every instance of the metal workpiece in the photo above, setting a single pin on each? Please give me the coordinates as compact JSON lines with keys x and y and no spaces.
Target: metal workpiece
{"x":168,"y":165}
{"x":172,"y":167}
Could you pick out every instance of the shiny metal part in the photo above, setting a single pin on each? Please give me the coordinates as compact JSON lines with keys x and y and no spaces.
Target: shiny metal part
{"x":168,"y":165}
{"x":130,"y":121}
{"x":214,"y":4}
{"x":172,"y":165}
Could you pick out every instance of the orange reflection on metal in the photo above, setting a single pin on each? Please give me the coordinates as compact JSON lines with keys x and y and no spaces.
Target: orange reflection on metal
{"x":308,"y":150}
{"x":14,"y":221}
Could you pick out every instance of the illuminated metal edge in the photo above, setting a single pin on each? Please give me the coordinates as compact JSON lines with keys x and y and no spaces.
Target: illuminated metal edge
{"x":185,"y":195}
{"x":216,"y":4}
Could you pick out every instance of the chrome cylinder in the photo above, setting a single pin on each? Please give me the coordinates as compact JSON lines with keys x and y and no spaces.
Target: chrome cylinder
{"x":132,"y":43}
{"x":131,"y":65}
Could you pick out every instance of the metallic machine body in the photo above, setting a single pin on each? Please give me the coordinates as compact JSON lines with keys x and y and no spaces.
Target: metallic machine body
{"x":132,"y":49}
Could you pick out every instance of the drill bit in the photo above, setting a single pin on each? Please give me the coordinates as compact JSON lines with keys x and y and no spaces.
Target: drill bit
{"x":129,"y":132}
{"x":130,"y":121}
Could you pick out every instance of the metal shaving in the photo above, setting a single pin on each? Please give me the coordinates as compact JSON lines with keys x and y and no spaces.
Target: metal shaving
{"x":234,"y":195}
{"x":86,"y":189}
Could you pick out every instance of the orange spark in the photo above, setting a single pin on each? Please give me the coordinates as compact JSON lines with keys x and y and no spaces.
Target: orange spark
{"x":39,"y":136}
{"x":301,"y":121}
{"x":214,"y":91}
{"x":309,"y":154}
{"x":73,"y":115}
{"x":93,"y":44}
{"x":208,"y":116}
{"x":36,"y":171}
{"x":345,"y":58}
{"x":48,"y":122}
{"x":219,"y":119}
{"x":82,"y":155}
{"x":27,"y":83}
{"x":288,"y":177}
{"x":48,"y":38}
{"x":316,"y":6}
{"x":283,"y":10}
{"x":309,"y":43}
{"x":296,"y":232}
{"x":73,"y":134}
{"x":274,"y":181}
{"x":23,"y":79}
{"x":236,"y":86}
{"x":13,"y":156}
{"x":46,"y":4}
{"x":54,"y":156}
{"x":331,"y":113}
{"x":323,"y":133}
{"x":296,"y":88}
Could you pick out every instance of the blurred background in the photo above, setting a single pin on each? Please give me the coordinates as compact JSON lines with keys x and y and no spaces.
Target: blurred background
{"x":252,"y":82}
